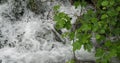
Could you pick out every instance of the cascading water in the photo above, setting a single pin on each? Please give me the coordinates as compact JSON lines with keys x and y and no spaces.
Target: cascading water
{"x":28,"y":36}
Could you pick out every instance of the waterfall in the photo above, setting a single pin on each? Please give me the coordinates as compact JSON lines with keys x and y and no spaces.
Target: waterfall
{"x":27,"y":34}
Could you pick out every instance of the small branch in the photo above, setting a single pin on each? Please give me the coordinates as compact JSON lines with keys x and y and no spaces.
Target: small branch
{"x":58,"y":36}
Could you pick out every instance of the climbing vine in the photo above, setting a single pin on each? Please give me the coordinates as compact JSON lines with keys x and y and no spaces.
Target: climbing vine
{"x":99,"y":28}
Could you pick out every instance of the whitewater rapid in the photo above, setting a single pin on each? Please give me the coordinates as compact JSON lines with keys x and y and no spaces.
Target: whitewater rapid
{"x":30,"y":39}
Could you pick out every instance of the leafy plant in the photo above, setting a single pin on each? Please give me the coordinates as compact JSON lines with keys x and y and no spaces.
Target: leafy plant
{"x":102,"y":24}
{"x":62,"y":19}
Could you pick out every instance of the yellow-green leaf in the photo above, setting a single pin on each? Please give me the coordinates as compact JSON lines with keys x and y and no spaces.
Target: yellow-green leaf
{"x":104,"y":3}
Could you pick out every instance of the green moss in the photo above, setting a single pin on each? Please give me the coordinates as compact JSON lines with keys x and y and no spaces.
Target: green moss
{"x":32,"y":5}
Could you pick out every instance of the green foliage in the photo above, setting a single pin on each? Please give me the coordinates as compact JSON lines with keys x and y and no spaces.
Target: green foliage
{"x":104,"y":3}
{"x":71,"y":61}
{"x":76,"y":4}
{"x":104,"y":23}
{"x":77,"y":45}
{"x":62,"y":19}
{"x":56,"y":7}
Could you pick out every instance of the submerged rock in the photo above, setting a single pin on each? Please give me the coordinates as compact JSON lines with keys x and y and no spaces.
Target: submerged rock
{"x":37,"y":6}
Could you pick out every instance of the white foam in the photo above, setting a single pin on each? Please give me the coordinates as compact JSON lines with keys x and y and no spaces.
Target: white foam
{"x":33,"y":41}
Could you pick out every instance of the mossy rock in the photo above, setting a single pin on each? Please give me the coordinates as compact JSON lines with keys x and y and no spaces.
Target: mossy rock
{"x":37,"y":6}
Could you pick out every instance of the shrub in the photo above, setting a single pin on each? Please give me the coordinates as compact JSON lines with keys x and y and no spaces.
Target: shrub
{"x":102,"y":24}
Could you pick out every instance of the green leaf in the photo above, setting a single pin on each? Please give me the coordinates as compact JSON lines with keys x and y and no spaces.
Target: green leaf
{"x":112,"y":2}
{"x":61,"y":23}
{"x":104,"y":8}
{"x":56,"y":17}
{"x":97,"y":36}
{"x":85,"y":27}
{"x":62,"y":20}
{"x":76,"y":4}
{"x":68,"y":23}
{"x":85,"y":38}
{"x":83,"y":3}
{"x":94,"y":20}
{"x":118,"y":8}
{"x":104,"y":61}
{"x":65,"y":34}
{"x":95,"y":27}
{"x":71,"y":35}
{"x":113,"y":53}
{"x":108,"y":43}
{"x":71,"y":61}
{"x":104,"y":3}
{"x":102,"y":31}
{"x":112,"y":12}
{"x":99,"y":52}
{"x":56,"y":7}
{"x":104,"y":16}
{"x":88,"y":47}
{"x":77,"y":45}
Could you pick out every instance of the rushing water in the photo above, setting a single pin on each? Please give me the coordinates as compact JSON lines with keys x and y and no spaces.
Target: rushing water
{"x":27,"y":37}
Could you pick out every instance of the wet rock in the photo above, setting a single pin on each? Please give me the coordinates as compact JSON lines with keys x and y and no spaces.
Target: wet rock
{"x":3,"y":1}
{"x":115,"y":60}
{"x":37,"y":6}
{"x":0,"y":61}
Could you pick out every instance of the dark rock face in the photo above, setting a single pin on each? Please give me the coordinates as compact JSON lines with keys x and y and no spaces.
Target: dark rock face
{"x":37,"y":6}
{"x":0,"y":61}
{"x":41,"y":6}
{"x":3,"y":1}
